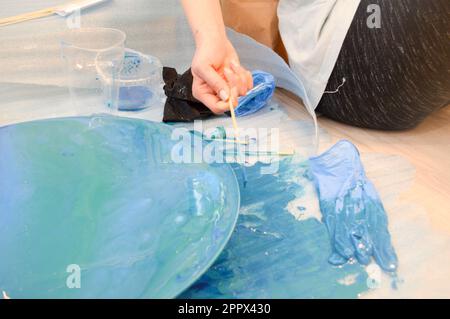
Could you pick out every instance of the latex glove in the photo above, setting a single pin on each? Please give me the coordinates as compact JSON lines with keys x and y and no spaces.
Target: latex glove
{"x":259,"y":96}
{"x":351,"y":208}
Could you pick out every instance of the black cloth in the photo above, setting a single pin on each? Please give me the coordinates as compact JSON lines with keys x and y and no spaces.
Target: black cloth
{"x":181,"y":106}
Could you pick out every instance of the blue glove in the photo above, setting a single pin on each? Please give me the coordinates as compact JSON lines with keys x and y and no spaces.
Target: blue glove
{"x":256,"y":98}
{"x":351,"y":208}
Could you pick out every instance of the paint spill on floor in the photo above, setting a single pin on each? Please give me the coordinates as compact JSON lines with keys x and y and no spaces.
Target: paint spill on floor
{"x":271,"y":254}
{"x":280,"y":248}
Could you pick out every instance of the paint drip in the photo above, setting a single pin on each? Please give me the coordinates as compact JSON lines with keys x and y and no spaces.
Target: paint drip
{"x":271,"y":254}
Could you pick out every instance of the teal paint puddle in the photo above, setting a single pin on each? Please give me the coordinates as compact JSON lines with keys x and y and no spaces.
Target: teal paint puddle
{"x":102,"y":193}
{"x":273,"y":255}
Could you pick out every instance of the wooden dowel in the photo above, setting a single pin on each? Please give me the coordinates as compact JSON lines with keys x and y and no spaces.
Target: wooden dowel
{"x":26,"y":17}
{"x":233,"y":119}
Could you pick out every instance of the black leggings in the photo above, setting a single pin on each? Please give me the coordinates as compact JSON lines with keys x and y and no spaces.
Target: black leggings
{"x":395,"y":75}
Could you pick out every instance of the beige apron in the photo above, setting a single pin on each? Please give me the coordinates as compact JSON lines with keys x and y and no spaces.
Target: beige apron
{"x":257,"y":19}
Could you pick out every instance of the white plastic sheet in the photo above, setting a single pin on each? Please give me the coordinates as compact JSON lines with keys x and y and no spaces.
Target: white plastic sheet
{"x":157,"y":27}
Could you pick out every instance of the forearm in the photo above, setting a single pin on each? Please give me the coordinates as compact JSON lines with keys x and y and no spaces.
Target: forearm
{"x":205,"y":19}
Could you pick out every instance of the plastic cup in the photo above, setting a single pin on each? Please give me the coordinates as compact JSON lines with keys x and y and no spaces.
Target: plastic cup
{"x":140,"y":83}
{"x":86,"y":51}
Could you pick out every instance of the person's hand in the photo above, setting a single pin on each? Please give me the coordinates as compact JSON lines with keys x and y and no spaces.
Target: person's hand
{"x":218,"y":75}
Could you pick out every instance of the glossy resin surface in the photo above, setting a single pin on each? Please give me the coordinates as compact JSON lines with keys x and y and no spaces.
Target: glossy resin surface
{"x":94,"y":207}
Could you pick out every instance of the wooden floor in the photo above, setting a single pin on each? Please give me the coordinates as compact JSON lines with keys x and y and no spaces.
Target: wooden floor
{"x":427,"y":147}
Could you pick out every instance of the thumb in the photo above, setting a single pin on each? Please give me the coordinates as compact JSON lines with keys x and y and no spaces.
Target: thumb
{"x":215,"y":81}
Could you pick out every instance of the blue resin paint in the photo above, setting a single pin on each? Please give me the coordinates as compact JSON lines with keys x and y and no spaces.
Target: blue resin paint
{"x":134,"y":98}
{"x":257,"y":98}
{"x":102,"y":195}
{"x":140,"y":81}
{"x":273,"y":255}
{"x":351,"y":209}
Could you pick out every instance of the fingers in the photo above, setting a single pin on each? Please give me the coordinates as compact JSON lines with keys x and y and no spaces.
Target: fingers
{"x":224,"y":106}
{"x":235,"y":80}
{"x":214,"y":90}
{"x":209,"y":75}
{"x":246,"y":76}
{"x":204,"y":93}
{"x":234,"y":97}
{"x":249,"y":78}
{"x":216,"y":105}
{"x":238,"y":77}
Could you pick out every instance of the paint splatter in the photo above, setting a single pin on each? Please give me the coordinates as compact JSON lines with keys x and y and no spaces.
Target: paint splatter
{"x":271,"y":254}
